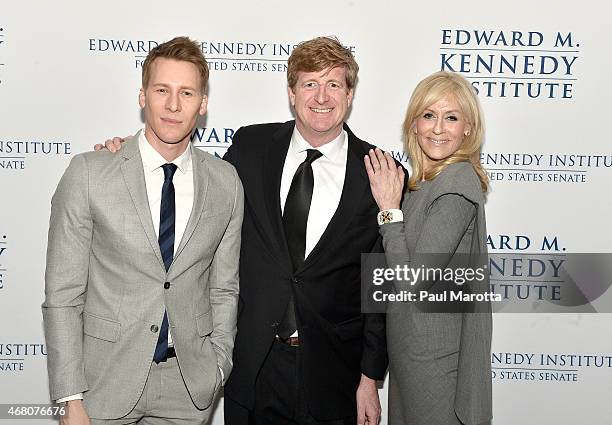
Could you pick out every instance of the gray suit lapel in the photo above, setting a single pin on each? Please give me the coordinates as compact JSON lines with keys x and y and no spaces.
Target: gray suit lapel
{"x":200,"y":189}
{"x":133,"y":175}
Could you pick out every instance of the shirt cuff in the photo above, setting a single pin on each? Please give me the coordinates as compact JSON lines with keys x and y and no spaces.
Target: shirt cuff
{"x":222,"y":375}
{"x":78,"y":396}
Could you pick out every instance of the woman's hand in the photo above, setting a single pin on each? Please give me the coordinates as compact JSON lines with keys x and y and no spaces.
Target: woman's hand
{"x":386,"y":179}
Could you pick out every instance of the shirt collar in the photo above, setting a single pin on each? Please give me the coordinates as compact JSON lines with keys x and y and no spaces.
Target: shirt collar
{"x":152,"y":160}
{"x":329,"y":150}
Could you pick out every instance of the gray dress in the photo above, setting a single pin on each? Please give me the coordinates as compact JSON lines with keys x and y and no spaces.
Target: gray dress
{"x":439,"y":363}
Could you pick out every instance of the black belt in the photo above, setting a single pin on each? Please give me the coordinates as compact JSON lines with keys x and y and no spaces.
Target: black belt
{"x":171,"y":352}
{"x":293,"y":341}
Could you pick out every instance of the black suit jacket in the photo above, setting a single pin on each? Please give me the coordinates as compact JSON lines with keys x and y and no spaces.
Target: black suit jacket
{"x":337,"y":341}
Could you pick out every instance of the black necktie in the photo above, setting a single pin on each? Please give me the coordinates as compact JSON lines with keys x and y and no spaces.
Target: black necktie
{"x":295,"y":217}
{"x":166,"y":246}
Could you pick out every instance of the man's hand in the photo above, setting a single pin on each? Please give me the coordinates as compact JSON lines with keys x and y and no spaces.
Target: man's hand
{"x":368,"y":404}
{"x":74,"y":414}
{"x":112,"y":145}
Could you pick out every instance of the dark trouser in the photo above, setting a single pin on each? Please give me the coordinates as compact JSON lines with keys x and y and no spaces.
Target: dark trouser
{"x":279,"y":395}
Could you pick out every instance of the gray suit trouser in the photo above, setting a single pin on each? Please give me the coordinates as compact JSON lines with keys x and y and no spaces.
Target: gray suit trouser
{"x":164,"y":401}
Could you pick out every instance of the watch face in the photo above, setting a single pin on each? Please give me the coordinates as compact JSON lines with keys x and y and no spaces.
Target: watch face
{"x":386,"y":217}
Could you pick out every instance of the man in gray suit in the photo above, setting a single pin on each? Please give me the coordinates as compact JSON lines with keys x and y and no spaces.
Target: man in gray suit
{"x":142,"y":263}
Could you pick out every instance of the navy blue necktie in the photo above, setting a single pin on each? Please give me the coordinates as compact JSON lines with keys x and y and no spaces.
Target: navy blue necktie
{"x":166,"y":245}
{"x":295,"y":218}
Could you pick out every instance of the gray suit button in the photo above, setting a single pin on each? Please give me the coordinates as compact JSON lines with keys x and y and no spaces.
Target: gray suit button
{"x":166,"y":285}
{"x":275,"y":325}
{"x":154,"y":328}
{"x":296,"y":280}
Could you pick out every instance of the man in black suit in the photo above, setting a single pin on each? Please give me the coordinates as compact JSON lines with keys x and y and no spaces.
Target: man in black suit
{"x":304,"y":352}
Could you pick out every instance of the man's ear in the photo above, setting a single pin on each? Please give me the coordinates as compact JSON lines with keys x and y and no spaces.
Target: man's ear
{"x":349,"y":97}
{"x":291,"y":95}
{"x":204,"y":105}
{"x":141,"y":98}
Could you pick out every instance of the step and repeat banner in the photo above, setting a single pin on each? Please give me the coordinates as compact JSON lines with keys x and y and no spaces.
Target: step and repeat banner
{"x":70,"y":75}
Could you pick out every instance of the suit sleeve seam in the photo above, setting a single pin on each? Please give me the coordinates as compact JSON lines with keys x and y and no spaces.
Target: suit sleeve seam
{"x":236,"y":187}
{"x":88,"y":190}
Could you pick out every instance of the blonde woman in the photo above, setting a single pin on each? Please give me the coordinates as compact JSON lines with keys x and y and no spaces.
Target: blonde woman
{"x":440,"y":372}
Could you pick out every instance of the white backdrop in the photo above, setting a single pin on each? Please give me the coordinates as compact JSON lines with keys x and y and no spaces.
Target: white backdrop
{"x":70,"y":74}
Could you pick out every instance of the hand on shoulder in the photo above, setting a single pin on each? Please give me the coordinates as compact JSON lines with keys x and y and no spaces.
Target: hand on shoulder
{"x":113,"y":145}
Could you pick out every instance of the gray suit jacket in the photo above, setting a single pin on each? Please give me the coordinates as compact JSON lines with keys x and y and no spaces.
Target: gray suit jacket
{"x":105,"y":281}
{"x":440,"y":362}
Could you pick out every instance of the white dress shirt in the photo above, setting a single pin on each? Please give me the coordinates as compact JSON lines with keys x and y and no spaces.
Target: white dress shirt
{"x":328,"y":172}
{"x":152,"y":163}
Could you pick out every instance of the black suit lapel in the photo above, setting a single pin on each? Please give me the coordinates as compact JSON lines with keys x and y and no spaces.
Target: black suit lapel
{"x":353,"y":192}
{"x":272,"y":173}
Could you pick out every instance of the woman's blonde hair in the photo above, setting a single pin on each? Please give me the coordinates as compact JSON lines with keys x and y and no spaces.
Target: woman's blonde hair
{"x":429,"y":91}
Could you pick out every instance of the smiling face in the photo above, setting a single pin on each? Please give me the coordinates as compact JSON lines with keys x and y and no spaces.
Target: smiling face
{"x":440,"y":130}
{"x":321,"y":101}
{"x":172,"y":101}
